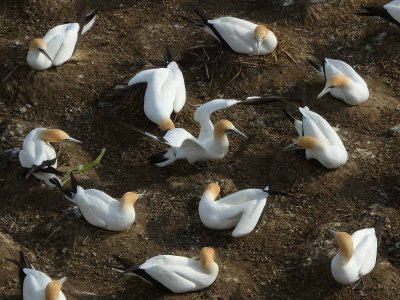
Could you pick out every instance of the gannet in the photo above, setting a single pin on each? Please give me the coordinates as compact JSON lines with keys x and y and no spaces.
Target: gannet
{"x":241,"y":210}
{"x":37,"y":285}
{"x":165,"y":93}
{"x":389,"y":11}
{"x":212,"y":143}
{"x":175,"y":274}
{"x":238,"y":35}
{"x":342,"y":81}
{"x":59,"y":43}
{"x":103,"y":211}
{"x":319,"y":139}
{"x":39,"y":156}
{"x":357,"y":253}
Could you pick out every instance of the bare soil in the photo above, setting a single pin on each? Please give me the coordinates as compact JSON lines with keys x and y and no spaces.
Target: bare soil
{"x":288,"y":256}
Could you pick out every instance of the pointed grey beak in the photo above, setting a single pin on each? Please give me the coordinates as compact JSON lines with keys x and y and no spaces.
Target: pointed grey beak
{"x":258,"y":47}
{"x":62,"y":280}
{"x":332,"y":232}
{"x":292,"y":147}
{"x":44,"y":52}
{"x":326,"y":90}
{"x":140,"y":196}
{"x":70,"y":139}
{"x":236,"y":132}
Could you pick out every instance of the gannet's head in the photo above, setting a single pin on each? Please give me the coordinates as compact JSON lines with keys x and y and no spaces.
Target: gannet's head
{"x":213,"y":189}
{"x":336,"y":81}
{"x":129,"y":199}
{"x":56,"y":136}
{"x":53,"y":289}
{"x":207,"y":255}
{"x":260,"y":33}
{"x":344,"y":242}
{"x":166,"y":124}
{"x":226,"y":127}
{"x":304,"y":142}
{"x":40,"y":45}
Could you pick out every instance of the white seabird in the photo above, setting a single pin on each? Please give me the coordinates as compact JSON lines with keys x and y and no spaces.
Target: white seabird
{"x":389,"y":11}
{"x":238,"y":35}
{"x":319,"y":139}
{"x":59,"y":43}
{"x":175,"y":274}
{"x":165,"y":93}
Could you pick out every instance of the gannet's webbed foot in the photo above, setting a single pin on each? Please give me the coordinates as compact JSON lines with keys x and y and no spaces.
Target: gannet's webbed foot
{"x":359,"y":286}
{"x":73,"y":212}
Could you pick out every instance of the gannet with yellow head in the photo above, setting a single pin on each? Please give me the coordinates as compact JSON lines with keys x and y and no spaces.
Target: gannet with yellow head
{"x":177,"y":274}
{"x":342,"y":81}
{"x":238,"y":35}
{"x":39,"y":156}
{"x":103,"y":211}
{"x":165,"y":93}
{"x":59,"y":43}
{"x":319,"y":139}
{"x":356,"y":257}
{"x":212,"y":143}
{"x":36,"y":285}
{"x":241,"y":210}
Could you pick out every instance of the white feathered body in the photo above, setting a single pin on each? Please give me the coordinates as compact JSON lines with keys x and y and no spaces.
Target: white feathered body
{"x":332,"y":154}
{"x":103,"y":211}
{"x":393,"y":8}
{"x":357,"y":90}
{"x":239,"y":35}
{"x":34,"y":285}
{"x":241,"y":210}
{"x":165,"y":91}
{"x":179,"y":274}
{"x":363,"y":260}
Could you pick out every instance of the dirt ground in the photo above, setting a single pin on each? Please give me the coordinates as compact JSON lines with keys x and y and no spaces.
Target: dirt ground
{"x":288,"y":256}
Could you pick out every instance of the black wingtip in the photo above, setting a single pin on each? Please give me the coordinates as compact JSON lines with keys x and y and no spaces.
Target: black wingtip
{"x":74,"y":183}
{"x":191,"y":21}
{"x":125,"y":263}
{"x":316,"y":66}
{"x":289,"y":116}
{"x":157,"y":158}
{"x":203,"y":16}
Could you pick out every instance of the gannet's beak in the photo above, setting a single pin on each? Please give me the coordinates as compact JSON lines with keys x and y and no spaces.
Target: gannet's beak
{"x":44,"y":52}
{"x":62,"y":280}
{"x":291,"y":147}
{"x":139,"y":196}
{"x":236,"y":132}
{"x":327,"y":89}
{"x":332,"y":232}
{"x":258,"y":47}
{"x":70,"y":139}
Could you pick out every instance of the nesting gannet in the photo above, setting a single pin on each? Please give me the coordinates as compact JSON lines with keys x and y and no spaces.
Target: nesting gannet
{"x":238,"y":35}
{"x":389,"y":11}
{"x":103,"y":211}
{"x":59,"y":43}
{"x":342,"y":81}
{"x":357,"y":253}
{"x":212,"y":143}
{"x":37,"y":285}
{"x":319,"y":139}
{"x":39,"y":156}
{"x":165,"y":93}
{"x":241,"y":210}
{"x":175,"y":274}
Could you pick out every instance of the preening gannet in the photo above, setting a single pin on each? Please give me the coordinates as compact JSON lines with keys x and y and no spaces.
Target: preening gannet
{"x":389,"y":11}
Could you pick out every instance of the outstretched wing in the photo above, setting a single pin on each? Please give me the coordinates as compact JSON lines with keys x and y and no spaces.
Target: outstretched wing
{"x":202,"y":115}
{"x":176,"y":136}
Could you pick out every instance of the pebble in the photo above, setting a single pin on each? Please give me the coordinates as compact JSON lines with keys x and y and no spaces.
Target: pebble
{"x":395,"y":130}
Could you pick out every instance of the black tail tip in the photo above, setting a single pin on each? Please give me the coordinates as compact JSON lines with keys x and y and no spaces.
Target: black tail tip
{"x":157,"y":158}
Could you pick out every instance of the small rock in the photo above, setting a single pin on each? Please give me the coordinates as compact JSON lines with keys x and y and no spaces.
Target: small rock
{"x":395,"y":130}
{"x":22,"y":109}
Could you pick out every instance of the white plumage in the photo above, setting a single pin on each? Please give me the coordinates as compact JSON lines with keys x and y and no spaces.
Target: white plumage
{"x":343,"y":82}
{"x":362,"y":245}
{"x":103,"y":211}
{"x":37,"y":152}
{"x":211,"y":144}
{"x":58,"y":45}
{"x":35,"y":284}
{"x":179,"y":274}
{"x":389,"y":11}
{"x":319,"y":139}
{"x":241,"y":210}
{"x":165,"y":93}
{"x":239,"y":35}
